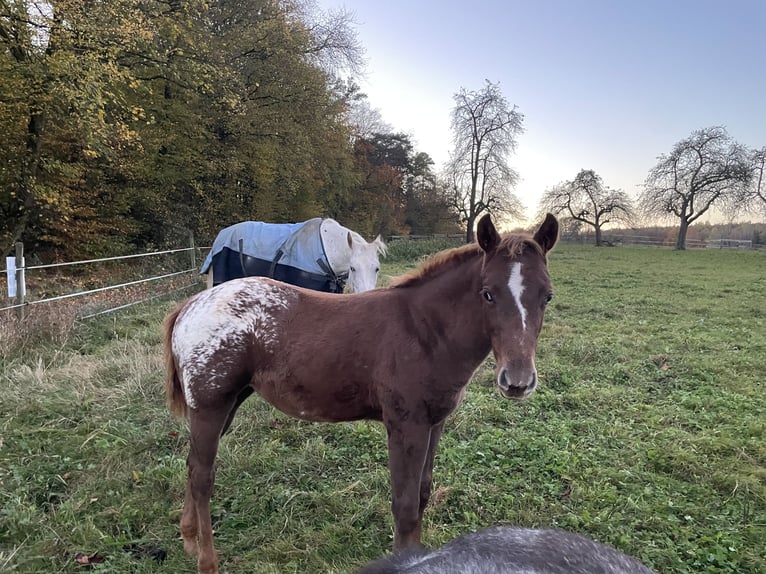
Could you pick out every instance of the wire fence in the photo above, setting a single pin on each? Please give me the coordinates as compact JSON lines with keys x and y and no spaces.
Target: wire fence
{"x":616,"y":239}
{"x":655,"y":241}
{"x":18,"y":273}
{"x":16,"y":277}
{"x":426,"y":237}
{"x":622,"y":239}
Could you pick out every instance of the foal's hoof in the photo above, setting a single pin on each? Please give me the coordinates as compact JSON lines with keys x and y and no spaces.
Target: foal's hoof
{"x":208,"y":566}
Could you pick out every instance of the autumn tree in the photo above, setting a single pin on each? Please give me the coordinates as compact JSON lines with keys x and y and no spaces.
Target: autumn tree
{"x":485,"y":128}
{"x":587,"y":201}
{"x":125,"y":122}
{"x":384,"y":162}
{"x":398,"y":192}
{"x":705,"y":170}
{"x":61,"y":97}
{"x":428,"y":208}
{"x":268,"y":137}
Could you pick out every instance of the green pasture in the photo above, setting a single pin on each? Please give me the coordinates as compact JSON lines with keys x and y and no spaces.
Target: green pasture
{"x":648,"y":433}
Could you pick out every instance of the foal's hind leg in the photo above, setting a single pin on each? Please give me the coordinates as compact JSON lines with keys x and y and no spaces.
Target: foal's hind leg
{"x":189,"y":523}
{"x":205,"y":434}
{"x":243,"y":394}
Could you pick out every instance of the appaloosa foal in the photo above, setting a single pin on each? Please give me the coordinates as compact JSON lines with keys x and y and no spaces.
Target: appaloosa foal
{"x":401,"y":355}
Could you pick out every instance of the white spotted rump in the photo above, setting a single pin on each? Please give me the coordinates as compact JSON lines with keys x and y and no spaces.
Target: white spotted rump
{"x":516,"y":285}
{"x":223,"y":317}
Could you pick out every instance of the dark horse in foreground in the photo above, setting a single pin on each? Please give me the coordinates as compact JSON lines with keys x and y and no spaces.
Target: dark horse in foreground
{"x":507,"y":549}
{"x":401,"y":355}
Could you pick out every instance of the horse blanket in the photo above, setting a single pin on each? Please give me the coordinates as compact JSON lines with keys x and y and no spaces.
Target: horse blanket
{"x":289,"y":252}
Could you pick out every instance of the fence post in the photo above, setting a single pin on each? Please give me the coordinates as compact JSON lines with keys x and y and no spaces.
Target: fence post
{"x":21,"y":286}
{"x":193,"y":250}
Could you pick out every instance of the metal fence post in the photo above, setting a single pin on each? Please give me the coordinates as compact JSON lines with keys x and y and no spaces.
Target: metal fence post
{"x":21,"y":286}
{"x":193,"y":250}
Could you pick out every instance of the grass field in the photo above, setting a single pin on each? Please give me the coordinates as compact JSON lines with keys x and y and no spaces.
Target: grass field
{"x":648,"y":433}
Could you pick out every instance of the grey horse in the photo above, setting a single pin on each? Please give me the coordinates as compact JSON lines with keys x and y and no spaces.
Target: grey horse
{"x":511,"y":550}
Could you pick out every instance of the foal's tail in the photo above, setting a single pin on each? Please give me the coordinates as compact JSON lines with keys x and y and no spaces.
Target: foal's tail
{"x":175,"y":394}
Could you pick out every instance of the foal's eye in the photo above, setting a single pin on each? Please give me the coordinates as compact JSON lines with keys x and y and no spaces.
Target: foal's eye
{"x":352,"y":269}
{"x":548,"y":298}
{"x":377,"y":269}
{"x":488,"y":295}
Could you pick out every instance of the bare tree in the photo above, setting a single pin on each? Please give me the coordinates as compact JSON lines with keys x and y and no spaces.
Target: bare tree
{"x":587,"y":201}
{"x":484,"y":128}
{"x":335,"y":46}
{"x":365,"y":121}
{"x":758,"y":187}
{"x":707,"y":168}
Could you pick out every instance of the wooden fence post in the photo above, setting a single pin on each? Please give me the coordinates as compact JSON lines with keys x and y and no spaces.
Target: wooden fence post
{"x":21,"y":286}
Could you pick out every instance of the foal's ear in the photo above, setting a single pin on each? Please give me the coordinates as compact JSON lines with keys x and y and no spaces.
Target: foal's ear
{"x":487,"y":235}
{"x":548,"y":233}
{"x":349,"y":239}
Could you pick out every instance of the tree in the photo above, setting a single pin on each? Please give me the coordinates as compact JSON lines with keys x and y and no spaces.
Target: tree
{"x":705,"y":169}
{"x":586,"y":200}
{"x":364,"y":120}
{"x":276,"y":138}
{"x":485,"y":128}
{"x":127,"y":122}
{"x":61,"y":97}
{"x":384,"y":163}
{"x":428,"y":206}
{"x":758,"y":188}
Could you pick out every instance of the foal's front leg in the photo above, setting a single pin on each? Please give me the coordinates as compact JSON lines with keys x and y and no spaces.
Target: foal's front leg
{"x":407,"y":449}
{"x":426,"y":479}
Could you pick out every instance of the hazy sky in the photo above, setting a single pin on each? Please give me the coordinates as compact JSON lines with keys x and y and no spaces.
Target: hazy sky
{"x":603,"y":85}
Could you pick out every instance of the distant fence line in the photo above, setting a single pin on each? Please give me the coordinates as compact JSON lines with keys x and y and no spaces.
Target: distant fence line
{"x":16,"y":277}
{"x":423,"y":237}
{"x":17,"y":273}
{"x":648,"y":240}
{"x":623,"y":239}
{"x":730,"y":244}
{"x":616,"y":239}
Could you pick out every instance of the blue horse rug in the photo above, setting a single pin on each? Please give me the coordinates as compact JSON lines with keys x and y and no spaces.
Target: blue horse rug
{"x":289,"y":252}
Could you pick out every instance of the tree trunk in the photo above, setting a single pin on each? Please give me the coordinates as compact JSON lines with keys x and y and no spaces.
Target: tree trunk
{"x":28,"y":178}
{"x":681,"y":241}
{"x":469,"y":237}
{"x":598,"y":235}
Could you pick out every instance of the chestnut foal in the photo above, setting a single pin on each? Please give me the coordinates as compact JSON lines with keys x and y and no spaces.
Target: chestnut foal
{"x":401,"y":355}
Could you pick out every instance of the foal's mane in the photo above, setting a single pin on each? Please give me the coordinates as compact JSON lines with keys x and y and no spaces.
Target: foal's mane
{"x":512,"y":244}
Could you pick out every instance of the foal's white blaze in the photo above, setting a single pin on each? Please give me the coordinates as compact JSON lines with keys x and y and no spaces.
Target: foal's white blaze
{"x":215,"y":319}
{"x":516,"y":285}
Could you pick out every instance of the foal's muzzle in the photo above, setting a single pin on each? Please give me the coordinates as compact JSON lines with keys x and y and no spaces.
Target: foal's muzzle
{"x":518,"y":387}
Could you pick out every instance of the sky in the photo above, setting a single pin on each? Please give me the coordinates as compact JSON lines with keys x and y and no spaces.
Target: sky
{"x":602,"y":85}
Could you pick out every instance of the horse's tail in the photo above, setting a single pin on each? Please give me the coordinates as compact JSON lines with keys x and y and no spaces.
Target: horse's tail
{"x":173,"y":391}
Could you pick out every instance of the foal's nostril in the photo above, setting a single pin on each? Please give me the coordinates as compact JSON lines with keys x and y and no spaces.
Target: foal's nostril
{"x":503,"y":381}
